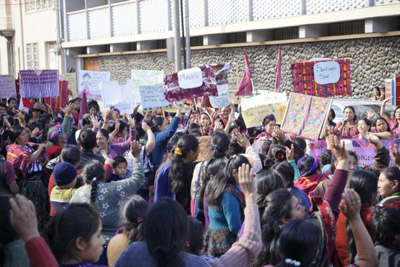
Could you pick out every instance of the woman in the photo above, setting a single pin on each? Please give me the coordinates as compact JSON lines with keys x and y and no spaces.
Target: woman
{"x":108,"y":196}
{"x":205,"y":124}
{"x":363,"y":183}
{"x":310,"y":175}
{"x":382,"y":129}
{"x":394,"y":123}
{"x":28,"y":160}
{"x":180,"y":172}
{"x":389,"y":185}
{"x":132,"y":214}
{"x":163,"y":132}
{"x":114,"y":150}
{"x":58,"y":140}
{"x":348,"y":128}
{"x":331,"y":117}
{"x":376,"y":94}
{"x":165,"y":239}
{"x":269,"y":122}
{"x":225,"y":208}
{"x":364,"y":128}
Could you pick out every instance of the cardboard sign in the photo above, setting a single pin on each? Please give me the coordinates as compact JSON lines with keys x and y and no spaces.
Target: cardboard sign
{"x":327,"y":72}
{"x":7,"y":86}
{"x":190,"y":78}
{"x":145,"y":77}
{"x":153,"y":96}
{"x":90,"y":81}
{"x":222,"y":100}
{"x":71,"y":79}
{"x":255,"y":108}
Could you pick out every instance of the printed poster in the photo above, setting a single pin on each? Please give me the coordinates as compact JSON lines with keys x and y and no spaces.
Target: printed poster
{"x":90,"y":81}
{"x":255,"y":108}
{"x":7,"y":86}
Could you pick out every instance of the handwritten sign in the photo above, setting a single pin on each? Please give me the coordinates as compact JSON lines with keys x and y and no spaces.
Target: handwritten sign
{"x":71,"y":79}
{"x":7,"y":86}
{"x":145,"y":77}
{"x":222,"y":100}
{"x":190,"y":78}
{"x":255,"y":108}
{"x":153,"y":96}
{"x":111,"y":93}
{"x":327,"y":72}
{"x":90,"y":81}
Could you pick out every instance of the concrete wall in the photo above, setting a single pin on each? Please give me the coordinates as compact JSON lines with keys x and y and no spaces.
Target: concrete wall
{"x":373,"y":61}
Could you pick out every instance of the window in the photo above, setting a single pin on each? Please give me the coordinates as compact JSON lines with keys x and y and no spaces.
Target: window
{"x":286,"y":33}
{"x":37,"y":5}
{"x":32,"y":56}
{"x":348,"y":27}
{"x":237,"y":37}
{"x":52,"y":56}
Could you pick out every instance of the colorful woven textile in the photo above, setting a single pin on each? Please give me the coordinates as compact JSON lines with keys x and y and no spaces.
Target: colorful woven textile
{"x":62,"y":100}
{"x":44,"y":84}
{"x":304,"y":82}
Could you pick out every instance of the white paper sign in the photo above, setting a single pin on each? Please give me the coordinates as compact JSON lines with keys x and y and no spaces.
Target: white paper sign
{"x":326,"y":72}
{"x":145,"y":77}
{"x":190,"y":78}
{"x":222,"y":100}
{"x":153,"y":96}
{"x":111,"y":93}
{"x":90,"y":81}
{"x":7,"y":86}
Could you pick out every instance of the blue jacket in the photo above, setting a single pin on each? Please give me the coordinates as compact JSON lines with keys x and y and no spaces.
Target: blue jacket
{"x":162,"y":185}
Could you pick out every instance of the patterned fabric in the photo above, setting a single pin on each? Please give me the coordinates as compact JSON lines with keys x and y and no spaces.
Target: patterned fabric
{"x":245,"y":86}
{"x":264,"y":135}
{"x":37,"y":86}
{"x":218,"y":241}
{"x":348,"y":132}
{"x":308,"y":184}
{"x":304,"y":82}
{"x":62,"y":100}
{"x":19,"y":157}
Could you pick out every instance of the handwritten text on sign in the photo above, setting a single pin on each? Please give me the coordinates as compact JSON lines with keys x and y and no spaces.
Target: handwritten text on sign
{"x":7,"y":86}
{"x":153,"y":96}
{"x":190,"y":78}
{"x":327,"y":72}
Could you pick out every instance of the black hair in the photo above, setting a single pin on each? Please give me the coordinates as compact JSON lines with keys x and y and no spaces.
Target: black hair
{"x":86,"y":121}
{"x":307,"y":167}
{"x":7,"y":233}
{"x":118,"y":160}
{"x":58,"y":120}
{"x":70,"y":154}
{"x":195,"y":236}
{"x":122,"y":126}
{"x":217,"y":185}
{"x":221,"y":121}
{"x":326,"y":157}
{"x":3,"y":105}
{"x":166,"y":238}
{"x":267,"y":182}
{"x":352,"y":108}
{"x":277,"y":206}
{"x":186,"y":144}
{"x":105,"y":133}
{"x":220,"y":144}
{"x":286,"y":171}
{"x":93,"y":173}
{"x":365,"y":183}
{"x":212,"y":167}
{"x":383,"y":119}
{"x":268,"y":119}
{"x":193,"y":126}
{"x":333,"y":113}
{"x":133,"y":215}
{"x":79,"y":220}
{"x":15,"y":132}
{"x":171,"y":145}
{"x":299,"y":241}
{"x":87,"y":138}
{"x":195,"y":133}
{"x":353,"y":154}
{"x":94,"y":104}
{"x":236,"y":148}
{"x":367,"y":122}
{"x":44,"y":120}
{"x":385,"y":223}
{"x":377,"y":88}
{"x":393,"y":173}
{"x":240,"y":124}
{"x":301,"y":144}
{"x":394,"y":112}
{"x":11,"y":99}
{"x":276,"y":153}
{"x":155,"y":122}
{"x":266,"y":146}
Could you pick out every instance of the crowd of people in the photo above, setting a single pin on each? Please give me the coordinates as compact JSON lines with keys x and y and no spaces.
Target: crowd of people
{"x":189,"y":188}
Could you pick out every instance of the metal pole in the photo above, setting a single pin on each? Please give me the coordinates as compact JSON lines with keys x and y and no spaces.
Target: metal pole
{"x":177,"y":37}
{"x":183,"y":35}
{"x":187,"y":35}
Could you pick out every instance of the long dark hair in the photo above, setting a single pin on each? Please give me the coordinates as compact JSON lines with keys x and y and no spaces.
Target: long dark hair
{"x":220,"y":144}
{"x":277,"y":206}
{"x":176,"y":174}
{"x":392,"y":173}
{"x":267,"y":182}
{"x":354,"y":111}
{"x":382,"y":119}
{"x":195,"y":236}
{"x":133,"y":215}
{"x":286,"y":171}
{"x":385,"y":223}
{"x":211,"y":168}
{"x":365,"y":183}
{"x":165,"y":232}
{"x":299,"y":241}
{"x":276,"y":153}
{"x":78,"y":220}
{"x":155,"y":122}
{"x":217,"y":185}
{"x":93,"y":173}
{"x":15,"y":132}
{"x":308,"y":166}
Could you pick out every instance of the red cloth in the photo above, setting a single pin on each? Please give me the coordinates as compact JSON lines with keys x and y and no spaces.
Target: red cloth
{"x":245,"y":86}
{"x":9,"y":173}
{"x":308,"y":184}
{"x":278,"y":71}
{"x":39,"y":253}
{"x":84,"y":107}
{"x":60,"y":102}
{"x":53,"y":151}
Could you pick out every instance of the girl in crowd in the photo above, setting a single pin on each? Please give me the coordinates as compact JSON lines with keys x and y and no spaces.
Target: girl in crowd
{"x":364,"y":128}
{"x":310,"y":175}
{"x":394,"y":123}
{"x":348,"y":128}
{"x":180,"y":172}
{"x":225,"y":208}
{"x":205,"y":123}
{"x":376,"y":94}
{"x":132,"y":214}
{"x":389,"y":185}
{"x":27,"y":160}
{"x":269,"y":122}
{"x":331,"y":117}
{"x":108,"y":196}
{"x":165,"y":239}
{"x":382,"y":129}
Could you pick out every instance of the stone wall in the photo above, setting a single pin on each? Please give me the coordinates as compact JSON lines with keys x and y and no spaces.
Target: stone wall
{"x":373,"y":61}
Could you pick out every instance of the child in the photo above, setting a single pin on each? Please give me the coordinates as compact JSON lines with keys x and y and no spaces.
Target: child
{"x":65,"y":178}
{"x":119,"y":167}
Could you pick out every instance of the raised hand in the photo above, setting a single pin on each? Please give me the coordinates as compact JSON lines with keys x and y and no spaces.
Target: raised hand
{"x":23,"y":218}
{"x":243,"y":141}
{"x":350,"y":204}
{"x":136,"y":148}
{"x":95,"y":121}
{"x":290,"y":153}
{"x":246,"y":182}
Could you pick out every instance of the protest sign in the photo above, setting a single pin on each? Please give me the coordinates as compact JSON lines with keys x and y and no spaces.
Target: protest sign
{"x":153,"y":96}
{"x":190,"y":78}
{"x":7,"y":86}
{"x":305,"y":82}
{"x":111,"y":93}
{"x":393,"y":90}
{"x":255,"y":108}
{"x":305,"y":116}
{"x":145,"y":77}
{"x":222,"y":100}
{"x":90,"y":81}
{"x":71,"y":79}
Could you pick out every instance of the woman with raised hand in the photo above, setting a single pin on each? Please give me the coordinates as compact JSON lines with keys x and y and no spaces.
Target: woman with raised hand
{"x":269,"y":122}
{"x":394,"y":123}
{"x":348,"y":128}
